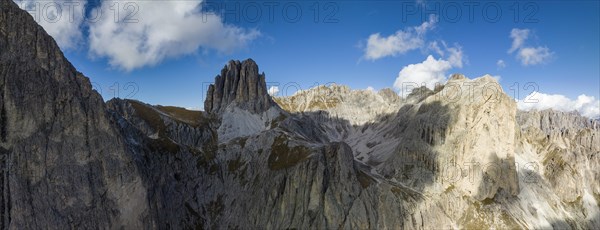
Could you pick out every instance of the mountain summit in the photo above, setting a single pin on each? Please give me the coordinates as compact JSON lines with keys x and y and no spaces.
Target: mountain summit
{"x":328,"y":158}
{"x":241,"y":85}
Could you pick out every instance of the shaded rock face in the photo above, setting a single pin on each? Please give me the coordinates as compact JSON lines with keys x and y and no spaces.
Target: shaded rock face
{"x":61,"y":156}
{"x":69,"y":161}
{"x":239,"y":84}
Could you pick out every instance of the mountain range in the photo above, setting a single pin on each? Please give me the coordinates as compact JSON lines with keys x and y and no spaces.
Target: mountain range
{"x":459,"y":156}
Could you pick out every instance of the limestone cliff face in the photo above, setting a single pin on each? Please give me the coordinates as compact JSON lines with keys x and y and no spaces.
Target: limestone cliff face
{"x":61,"y":158}
{"x":356,"y":106}
{"x":70,"y":161}
{"x":565,"y":148}
{"x":473,"y":157}
{"x":240,"y":84}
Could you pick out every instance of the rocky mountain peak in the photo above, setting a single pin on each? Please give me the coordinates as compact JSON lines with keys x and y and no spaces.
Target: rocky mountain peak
{"x":457,"y":76}
{"x":239,"y":84}
{"x":86,"y":161}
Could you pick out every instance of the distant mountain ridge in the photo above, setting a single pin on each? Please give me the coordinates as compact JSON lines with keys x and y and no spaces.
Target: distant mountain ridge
{"x":325,"y":158}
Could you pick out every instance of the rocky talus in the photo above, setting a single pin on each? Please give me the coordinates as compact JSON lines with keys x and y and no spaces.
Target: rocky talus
{"x":457,"y":157}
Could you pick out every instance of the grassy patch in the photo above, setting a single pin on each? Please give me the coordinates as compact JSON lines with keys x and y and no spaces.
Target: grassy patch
{"x":475,"y":218}
{"x":449,"y":189}
{"x":577,"y":203}
{"x":149,"y":115}
{"x":312,"y":105}
{"x":554,"y":159}
{"x":282,"y":156}
{"x":321,"y":105}
{"x":164,"y":144}
{"x":215,"y":208}
{"x":364,"y":180}
{"x":242,"y":141}
{"x":275,"y":122}
{"x":234,"y":165}
{"x":488,"y":201}
{"x":153,"y":119}
{"x":509,"y":221}
{"x":193,"y":118}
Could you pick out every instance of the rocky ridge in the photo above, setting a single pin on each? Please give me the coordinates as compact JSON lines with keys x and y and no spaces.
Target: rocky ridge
{"x":69,"y":160}
{"x":239,"y":84}
{"x":356,"y":106}
{"x":61,"y":156}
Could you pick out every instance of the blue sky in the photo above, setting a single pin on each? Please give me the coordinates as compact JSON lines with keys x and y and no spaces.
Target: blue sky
{"x":559,"y":49}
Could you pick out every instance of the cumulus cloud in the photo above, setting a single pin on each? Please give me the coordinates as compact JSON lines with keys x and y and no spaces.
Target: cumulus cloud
{"x":164,"y":29}
{"x":497,"y":77}
{"x":431,"y":71}
{"x":519,"y":36}
{"x":428,"y":73}
{"x":455,"y":54}
{"x":587,"y":106}
{"x":534,"y":56}
{"x":370,"y":88}
{"x":399,"y":43}
{"x":435,"y":47}
{"x":273,"y":90}
{"x":501,"y":64}
{"x":528,"y":55}
{"x":61,"y":20}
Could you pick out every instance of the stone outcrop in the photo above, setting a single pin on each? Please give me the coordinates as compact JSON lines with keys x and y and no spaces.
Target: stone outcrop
{"x":336,"y":159}
{"x":356,"y":106}
{"x":239,"y":84}
{"x":63,"y":161}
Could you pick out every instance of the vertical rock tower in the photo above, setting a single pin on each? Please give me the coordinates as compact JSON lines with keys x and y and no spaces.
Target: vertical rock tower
{"x":239,"y":84}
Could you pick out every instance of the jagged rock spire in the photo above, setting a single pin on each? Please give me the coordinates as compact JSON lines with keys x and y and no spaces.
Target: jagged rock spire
{"x":239,"y":83}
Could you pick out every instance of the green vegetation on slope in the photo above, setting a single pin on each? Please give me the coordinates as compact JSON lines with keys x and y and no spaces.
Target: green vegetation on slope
{"x":282,"y":156}
{"x":193,"y":118}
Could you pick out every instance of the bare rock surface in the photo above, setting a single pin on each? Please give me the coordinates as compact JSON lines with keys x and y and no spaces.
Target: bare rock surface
{"x":62,"y":160}
{"x":240,"y":84}
{"x":460,"y":156}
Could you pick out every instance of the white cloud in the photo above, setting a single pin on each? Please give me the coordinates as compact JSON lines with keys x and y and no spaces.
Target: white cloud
{"x":194,"y":108}
{"x":430,"y":71}
{"x":501,"y":64}
{"x":370,"y":88}
{"x":165,"y":29}
{"x":399,"y":43}
{"x":586,"y":105}
{"x":455,"y":54}
{"x":534,"y":56}
{"x":519,"y":36}
{"x":526,"y":54}
{"x":62,"y":20}
{"x":273,"y":90}
{"x":434,"y":46}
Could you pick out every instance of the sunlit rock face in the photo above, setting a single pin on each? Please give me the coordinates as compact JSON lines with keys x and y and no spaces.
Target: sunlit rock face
{"x":458,"y":156}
